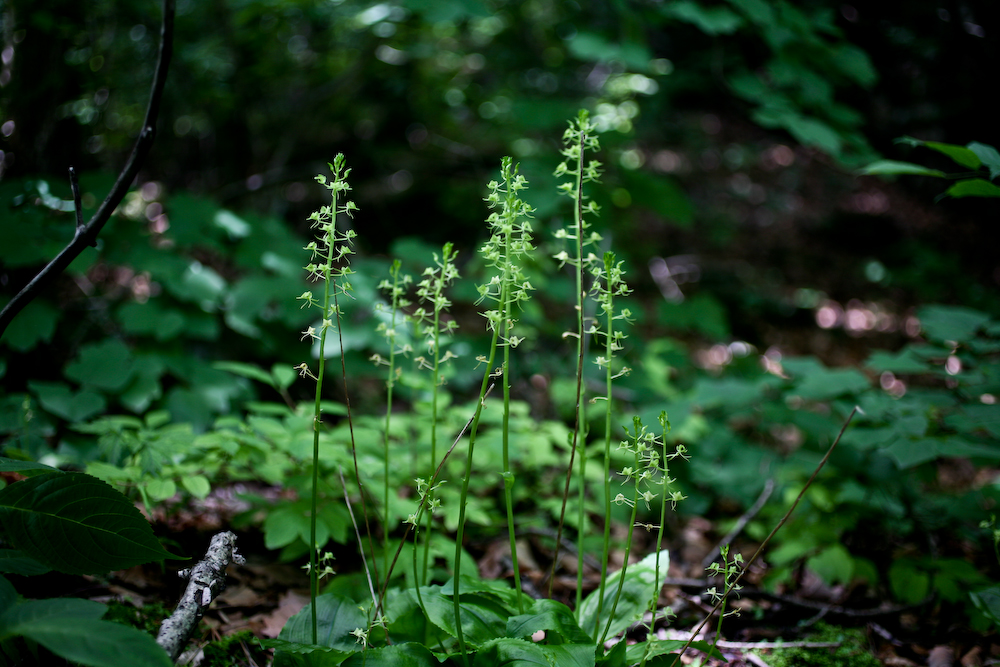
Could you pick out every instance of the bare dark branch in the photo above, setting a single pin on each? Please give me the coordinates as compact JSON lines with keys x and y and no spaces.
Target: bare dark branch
{"x":86,"y":235}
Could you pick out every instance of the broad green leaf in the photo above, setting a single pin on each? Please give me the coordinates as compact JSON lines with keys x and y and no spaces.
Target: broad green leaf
{"x":160,"y":489}
{"x":152,"y":318}
{"x":550,"y":616}
{"x":832,"y":383}
{"x":336,"y":617}
{"x":77,"y":524}
{"x":659,"y":193}
{"x":106,"y":365}
{"x":17,"y":562}
{"x":234,"y":226}
{"x":512,"y":652}
{"x":909,"y":583}
{"x":651,"y":648}
{"x":710,"y":20}
{"x":35,"y":324}
{"x":24,"y":467}
{"x":988,"y":155}
{"x":8,"y":594}
{"x":283,"y":374}
{"x":833,"y":565}
{"x":407,"y":654}
{"x":950,"y":323}
{"x":987,"y":601}
{"x":959,"y":154}
{"x":976,"y":417}
{"x":904,"y":361}
{"x":973,"y":187}
{"x":909,"y":453}
{"x":483,"y":618}
{"x":61,"y":401}
{"x":894,"y":167}
{"x":855,"y":63}
{"x":637,"y":591}
{"x":197,"y":485}
{"x":246,"y":370}
{"x":85,"y":640}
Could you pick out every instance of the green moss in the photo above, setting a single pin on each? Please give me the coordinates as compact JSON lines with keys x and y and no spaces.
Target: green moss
{"x":853,"y":650}
{"x":233,"y":650}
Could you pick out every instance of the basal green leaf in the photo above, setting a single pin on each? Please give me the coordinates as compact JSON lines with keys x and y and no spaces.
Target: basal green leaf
{"x":483,"y":617}
{"x":337,"y":617}
{"x":637,"y":591}
{"x":552,"y":617}
{"x":75,"y":523}
{"x":520,"y":653}
{"x":398,"y":655}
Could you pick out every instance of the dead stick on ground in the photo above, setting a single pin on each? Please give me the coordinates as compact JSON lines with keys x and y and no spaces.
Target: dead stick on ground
{"x":746,"y":568}
{"x":205,"y":581}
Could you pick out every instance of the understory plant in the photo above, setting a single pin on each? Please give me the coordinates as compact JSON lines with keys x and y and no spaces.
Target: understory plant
{"x":466,"y":620}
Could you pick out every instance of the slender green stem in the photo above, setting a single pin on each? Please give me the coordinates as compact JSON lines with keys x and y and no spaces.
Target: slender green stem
{"x":578,"y":138}
{"x":609,"y":351}
{"x":628,"y":549}
{"x":473,"y":430}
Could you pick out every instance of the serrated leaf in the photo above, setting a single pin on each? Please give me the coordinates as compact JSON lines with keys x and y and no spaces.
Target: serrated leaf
{"x":904,"y":361}
{"x":77,"y":524}
{"x":24,"y":467}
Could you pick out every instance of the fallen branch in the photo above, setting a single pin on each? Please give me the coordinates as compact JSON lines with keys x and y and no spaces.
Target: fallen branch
{"x":86,"y":234}
{"x":205,"y":581}
{"x":732,"y":585}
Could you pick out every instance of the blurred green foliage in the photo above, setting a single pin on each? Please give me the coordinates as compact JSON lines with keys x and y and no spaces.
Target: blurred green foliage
{"x":728,"y":132}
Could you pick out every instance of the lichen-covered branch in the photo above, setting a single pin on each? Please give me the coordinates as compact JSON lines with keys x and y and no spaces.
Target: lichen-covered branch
{"x":86,"y":235}
{"x":205,"y":581}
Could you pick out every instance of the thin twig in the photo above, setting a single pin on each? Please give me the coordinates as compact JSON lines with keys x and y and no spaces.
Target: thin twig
{"x":713,"y":555}
{"x":423,"y":501}
{"x":767,"y":540}
{"x":357,"y":533}
{"x":86,"y":235}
